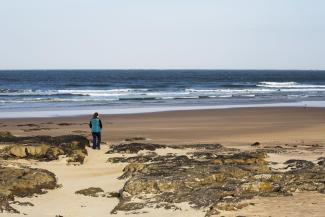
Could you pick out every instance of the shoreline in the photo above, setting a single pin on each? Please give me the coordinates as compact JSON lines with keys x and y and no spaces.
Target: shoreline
{"x":142,"y":110}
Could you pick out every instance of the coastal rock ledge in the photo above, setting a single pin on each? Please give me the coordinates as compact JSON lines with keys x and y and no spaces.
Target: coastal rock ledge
{"x":22,"y":182}
{"x":209,"y":177}
{"x":44,"y":148}
{"x":18,"y":180}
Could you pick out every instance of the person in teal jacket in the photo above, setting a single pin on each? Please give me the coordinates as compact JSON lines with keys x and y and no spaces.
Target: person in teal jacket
{"x":96,"y":127}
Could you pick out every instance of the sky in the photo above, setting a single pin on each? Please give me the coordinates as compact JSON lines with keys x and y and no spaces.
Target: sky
{"x":162,"y":34}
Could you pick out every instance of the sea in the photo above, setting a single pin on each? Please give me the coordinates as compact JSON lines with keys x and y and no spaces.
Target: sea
{"x":43,"y":93}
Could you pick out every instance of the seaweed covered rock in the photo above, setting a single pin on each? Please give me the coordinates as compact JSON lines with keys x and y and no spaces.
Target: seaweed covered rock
{"x":321,"y":161}
{"x":133,"y":139}
{"x":34,"y":151}
{"x":5,"y":134}
{"x":44,"y":148}
{"x":92,"y":191}
{"x":136,"y":159}
{"x":211,"y":180}
{"x":133,"y":148}
{"x":74,"y":140}
{"x":129,"y":148}
{"x":197,"y":146}
{"x":22,"y":182}
{"x":299,"y":164}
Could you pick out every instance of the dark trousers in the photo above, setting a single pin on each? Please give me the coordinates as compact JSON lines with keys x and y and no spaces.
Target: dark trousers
{"x":96,"y":140}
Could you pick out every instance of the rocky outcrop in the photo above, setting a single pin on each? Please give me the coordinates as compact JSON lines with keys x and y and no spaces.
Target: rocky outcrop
{"x":210,"y":179}
{"x":136,"y":159}
{"x":44,"y":148}
{"x":70,"y":140}
{"x":22,"y":182}
{"x":129,"y":148}
{"x":133,"y":148}
{"x":92,"y":192}
{"x":133,"y":139}
{"x":299,"y":164}
{"x":5,"y":134}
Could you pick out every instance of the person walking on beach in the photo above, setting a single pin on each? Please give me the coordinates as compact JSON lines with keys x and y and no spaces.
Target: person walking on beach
{"x":96,"y":127}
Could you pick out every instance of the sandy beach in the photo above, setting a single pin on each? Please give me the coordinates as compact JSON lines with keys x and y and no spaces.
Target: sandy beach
{"x":162,"y":108}
{"x":226,"y":126}
{"x":299,"y":131}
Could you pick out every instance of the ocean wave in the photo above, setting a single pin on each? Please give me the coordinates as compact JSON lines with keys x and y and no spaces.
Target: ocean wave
{"x":238,"y":85}
{"x":5,"y":90}
{"x":52,"y":100}
{"x":121,"y":90}
{"x":88,"y":85}
{"x":108,"y":92}
{"x":290,"y":84}
{"x":229,"y":90}
{"x":133,"y":98}
{"x":263,"y":87}
{"x":14,"y":91}
{"x":138,"y":98}
{"x":40,"y":95}
{"x":303,"y":90}
{"x":30,"y":92}
{"x":270,"y":90}
{"x":190,"y":90}
{"x":226,"y":96}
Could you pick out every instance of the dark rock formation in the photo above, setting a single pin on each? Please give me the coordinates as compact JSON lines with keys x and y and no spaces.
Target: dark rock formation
{"x":92,"y":192}
{"x":133,"y":148}
{"x":273,"y":149}
{"x":112,"y":194}
{"x":44,"y":148}
{"x":136,"y":159}
{"x":321,"y":161}
{"x":209,"y":179}
{"x":129,"y":148}
{"x":256,"y":144}
{"x":197,"y":146}
{"x":299,"y":164}
{"x":27,"y":125}
{"x":71,"y":140}
{"x":22,"y":183}
{"x":133,"y":139}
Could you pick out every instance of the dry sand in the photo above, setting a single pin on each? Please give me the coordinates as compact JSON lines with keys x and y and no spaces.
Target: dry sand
{"x":95,"y":172}
{"x":230,"y":127}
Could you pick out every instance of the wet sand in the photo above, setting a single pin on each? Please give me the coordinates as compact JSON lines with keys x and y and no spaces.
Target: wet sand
{"x":225,"y":126}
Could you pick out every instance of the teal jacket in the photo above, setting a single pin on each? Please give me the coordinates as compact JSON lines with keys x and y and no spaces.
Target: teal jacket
{"x":96,"y":125}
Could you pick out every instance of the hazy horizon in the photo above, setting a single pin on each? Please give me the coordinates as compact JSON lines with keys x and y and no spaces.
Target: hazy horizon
{"x":162,"y":35}
{"x":156,"y":69}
